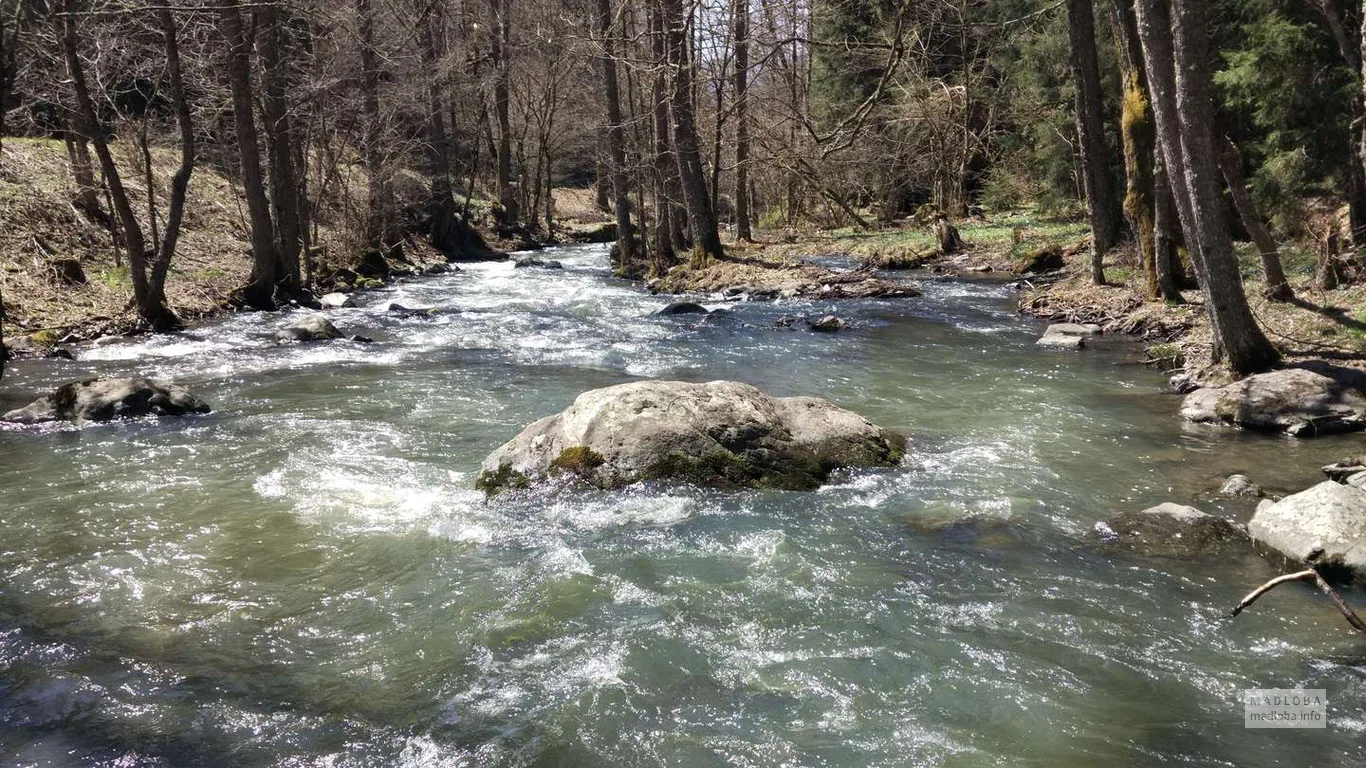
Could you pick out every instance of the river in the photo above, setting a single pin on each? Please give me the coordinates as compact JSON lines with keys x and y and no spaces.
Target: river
{"x":305,"y":577}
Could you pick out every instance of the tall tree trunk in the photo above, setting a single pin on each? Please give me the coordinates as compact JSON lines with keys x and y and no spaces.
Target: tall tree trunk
{"x":180,"y":182}
{"x":1099,"y":187}
{"x":701,"y":217}
{"x":500,"y":41}
{"x":260,"y":292}
{"x":381,"y":234}
{"x":665,"y":168}
{"x":279,"y":129}
{"x":1171,"y":273}
{"x":742,"y":214}
{"x":1277,"y":289}
{"x":133,"y":238}
{"x":1174,"y":47}
{"x":616,"y":141}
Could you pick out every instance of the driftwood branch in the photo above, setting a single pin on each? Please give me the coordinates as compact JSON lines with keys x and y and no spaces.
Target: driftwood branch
{"x":1313,"y":575}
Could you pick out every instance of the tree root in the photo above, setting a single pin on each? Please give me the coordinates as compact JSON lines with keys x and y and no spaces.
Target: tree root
{"x":1313,"y":575}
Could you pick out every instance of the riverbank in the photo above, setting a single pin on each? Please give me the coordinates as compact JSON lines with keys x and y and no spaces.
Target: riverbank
{"x":65,"y":280}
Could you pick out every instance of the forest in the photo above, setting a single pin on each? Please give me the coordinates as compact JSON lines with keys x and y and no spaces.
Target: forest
{"x":682,"y":382}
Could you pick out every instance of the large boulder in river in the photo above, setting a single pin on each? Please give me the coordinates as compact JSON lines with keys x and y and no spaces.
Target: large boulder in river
{"x":100,"y":399}
{"x":1173,"y":530}
{"x":309,"y":328}
{"x":1324,"y":525}
{"x":720,"y":434}
{"x":1303,"y":402}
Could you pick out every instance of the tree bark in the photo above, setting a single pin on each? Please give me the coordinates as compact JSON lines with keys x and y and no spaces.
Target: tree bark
{"x":150,"y":309}
{"x":616,"y":142}
{"x":1277,"y":289}
{"x":701,"y":216}
{"x":1350,"y":49}
{"x":180,"y":182}
{"x":501,"y":37}
{"x":381,"y":234}
{"x":742,"y":213}
{"x":1100,"y":197}
{"x":663,"y":255}
{"x":279,"y":129}
{"x":1174,"y":47}
{"x":260,"y":292}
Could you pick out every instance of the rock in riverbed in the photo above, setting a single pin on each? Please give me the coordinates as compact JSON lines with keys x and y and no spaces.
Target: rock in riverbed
{"x":1239,"y":485}
{"x":683,"y":308}
{"x":530,"y":261}
{"x":1174,"y":530}
{"x":1067,"y":335}
{"x":721,"y":434}
{"x":107,"y":399}
{"x":1324,"y":525}
{"x":309,"y":328}
{"x":336,"y":301}
{"x":1303,"y":402}
{"x":827,"y":324}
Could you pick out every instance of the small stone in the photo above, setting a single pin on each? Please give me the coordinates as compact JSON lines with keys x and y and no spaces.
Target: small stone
{"x":1239,"y":485}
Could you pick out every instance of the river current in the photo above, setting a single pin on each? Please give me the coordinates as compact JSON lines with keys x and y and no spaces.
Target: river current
{"x":306,"y":577}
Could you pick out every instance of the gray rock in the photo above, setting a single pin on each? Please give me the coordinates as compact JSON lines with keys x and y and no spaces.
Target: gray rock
{"x":1324,"y":525}
{"x":721,"y":434}
{"x":1342,"y":470}
{"x":309,"y":328}
{"x":827,"y":324}
{"x":1358,"y":480}
{"x":336,"y":301}
{"x":683,"y":308}
{"x":1067,"y":335}
{"x":1298,"y":401}
{"x":1183,"y":383}
{"x":394,"y":308}
{"x":1173,"y":530}
{"x":100,"y":399}
{"x":1239,"y":485}
{"x":528,"y":261}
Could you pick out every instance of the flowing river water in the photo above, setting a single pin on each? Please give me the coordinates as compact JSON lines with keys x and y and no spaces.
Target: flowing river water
{"x":305,"y":577}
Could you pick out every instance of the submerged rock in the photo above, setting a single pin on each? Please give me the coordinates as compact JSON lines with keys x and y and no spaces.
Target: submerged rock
{"x":1239,"y":485}
{"x":1172,"y":530}
{"x":100,"y":399}
{"x":309,"y":328}
{"x":720,"y":434}
{"x":827,"y":324}
{"x":400,"y":310}
{"x":336,"y":301}
{"x":1067,"y":335}
{"x":1298,"y":401}
{"x":530,"y":261}
{"x":1324,"y":525}
{"x":683,"y":308}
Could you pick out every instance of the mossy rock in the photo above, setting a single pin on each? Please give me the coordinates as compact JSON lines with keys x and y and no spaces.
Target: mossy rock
{"x":578,"y":460}
{"x":46,"y":338}
{"x":504,"y":478}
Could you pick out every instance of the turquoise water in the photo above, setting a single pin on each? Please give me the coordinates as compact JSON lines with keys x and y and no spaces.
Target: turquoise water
{"x":305,"y":577}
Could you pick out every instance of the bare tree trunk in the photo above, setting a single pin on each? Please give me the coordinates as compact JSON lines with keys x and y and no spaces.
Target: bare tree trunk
{"x":1174,"y":47}
{"x":280,"y":133}
{"x":381,"y":223}
{"x":1277,"y":289}
{"x":742,"y":213}
{"x":118,"y":195}
{"x":665,"y":168}
{"x":616,"y":141}
{"x":180,"y":182}
{"x":500,"y":39}
{"x":260,"y":292}
{"x":1099,"y":187}
{"x":701,"y":217}
{"x":1171,"y":273}
{"x":1350,"y":49}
